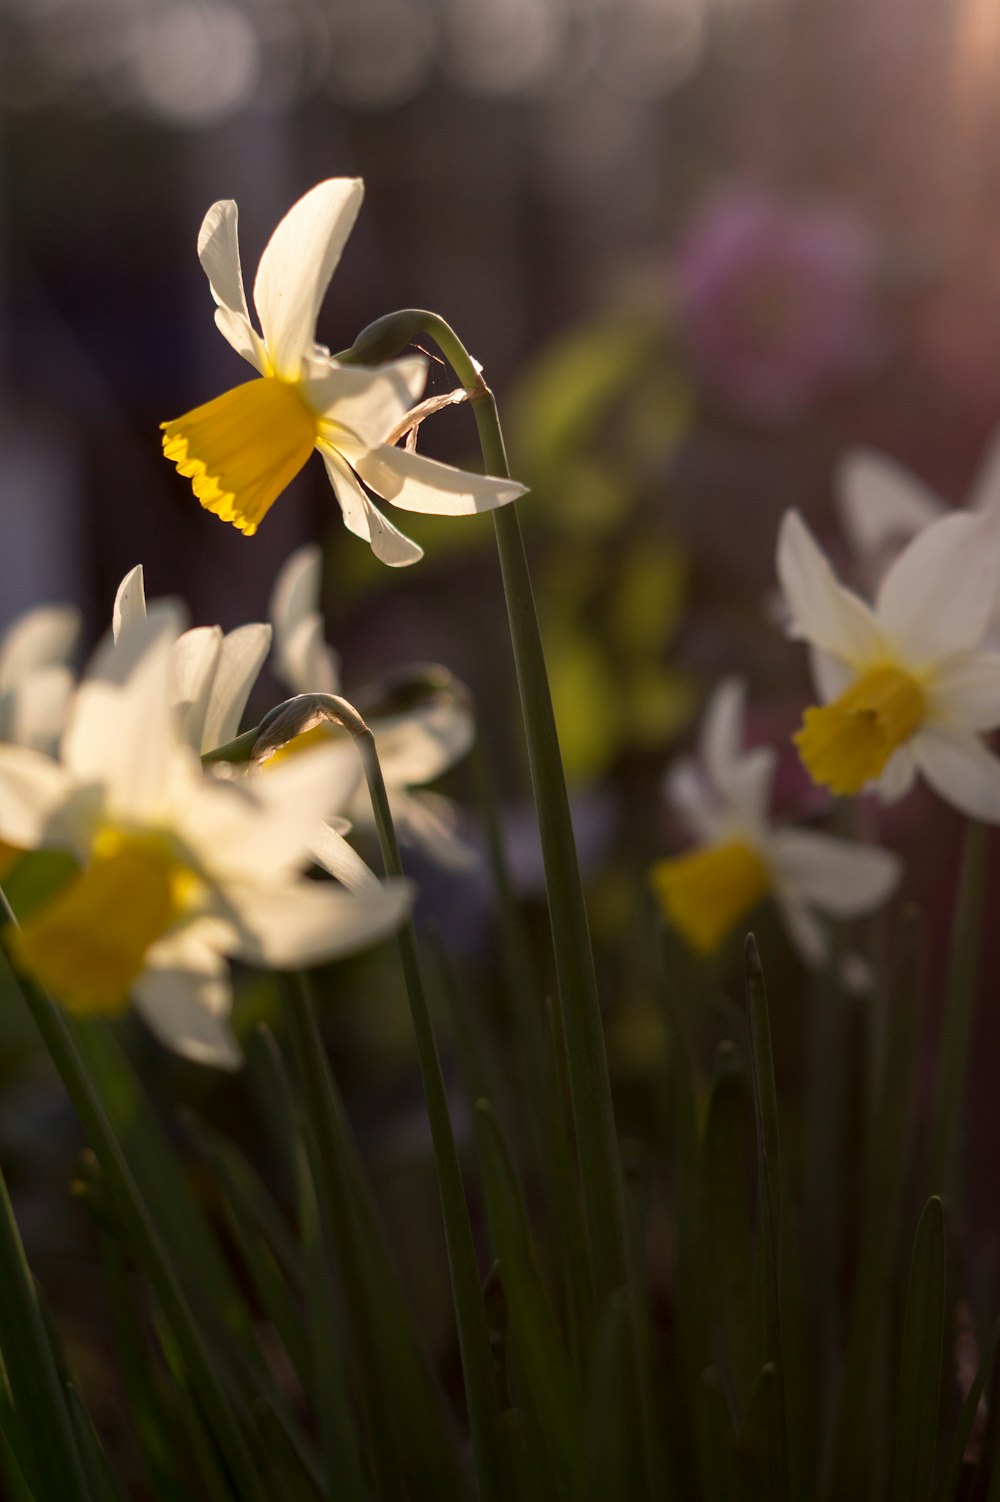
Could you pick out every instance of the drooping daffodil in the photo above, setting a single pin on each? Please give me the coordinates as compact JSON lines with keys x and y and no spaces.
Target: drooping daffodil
{"x":904,"y":684}
{"x":883,"y":507}
{"x":178,"y":871}
{"x":415,"y":745}
{"x":740,"y":859}
{"x":243,"y":448}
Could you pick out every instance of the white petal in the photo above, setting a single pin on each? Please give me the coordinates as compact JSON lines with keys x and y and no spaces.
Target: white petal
{"x":35,"y":712}
{"x":985,"y":497}
{"x":834,"y":875}
{"x":880,"y":504}
{"x":368,"y":404}
{"x":365,"y":520}
{"x":312,"y":921}
{"x":898,"y":775}
{"x":196,"y":654}
{"x":41,"y":638}
{"x":960,"y":769}
{"x":805,"y":929}
{"x":219,"y":254}
{"x":415,"y":483}
{"x":184,"y":996}
{"x":240,"y":661}
{"x":822,"y":610}
{"x":721,"y":739}
{"x":687,"y":792}
{"x":303,"y":660}
{"x":296,"y":267}
{"x":831,"y":675}
{"x":422,"y":743}
{"x":429,"y":822}
{"x":939,"y":594}
{"x":964,"y":690}
{"x":130,"y":603}
{"x":331,"y":851}
{"x":32,"y":788}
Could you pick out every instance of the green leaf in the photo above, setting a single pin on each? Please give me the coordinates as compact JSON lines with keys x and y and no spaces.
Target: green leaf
{"x":728,"y":1239}
{"x":921,"y":1363}
{"x":720,"y":1479}
{"x":550,"y":1381}
{"x":951,"y":1471}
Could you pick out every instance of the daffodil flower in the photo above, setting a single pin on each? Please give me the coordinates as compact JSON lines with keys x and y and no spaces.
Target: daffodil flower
{"x":243,"y":448}
{"x":414,"y":746}
{"x":904,"y":684}
{"x":740,"y":859}
{"x":179,"y":871}
{"x":882,"y":507}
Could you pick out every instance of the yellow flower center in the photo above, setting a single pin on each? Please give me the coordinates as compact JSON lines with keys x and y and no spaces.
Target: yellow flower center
{"x":707,"y":891}
{"x":241,"y":450}
{"x":846,"y":744}
{"x":88,"y":944}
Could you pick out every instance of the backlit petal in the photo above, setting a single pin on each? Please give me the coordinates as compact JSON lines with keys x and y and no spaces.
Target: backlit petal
{"x":296,"y":268}
{"x":219,"y":254}
{"x":364,"y":519}
{"x":32,"y":788}
{"x":364,"y":406}
{"x":821,"y":610}
{"x":422,"y":743}
{"x":311,"y":921}
{"x":184,"y":997}
{"x":130,"y":603}
{"x":45,"y":637}
{"x":939,"y":594}
{"x":303,"y":660}
{"x":415,"y":483}
{"x":835,"y":875}
{"x":985,"y":497}
{"x":240,"y":661}
{"x":965,"y":691}
{"x":881,"y":504}
{"x":961,"y":770}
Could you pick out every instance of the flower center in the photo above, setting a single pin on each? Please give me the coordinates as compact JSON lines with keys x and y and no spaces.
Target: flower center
{"x":846,"y":744}
{"x":707,"y":891}
{"x":87,"y":945}
{"x":241,"y":450}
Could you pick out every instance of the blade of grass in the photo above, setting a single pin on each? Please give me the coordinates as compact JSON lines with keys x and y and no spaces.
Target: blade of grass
{"x":920,"y":1365}
{"x":960,"y":1003}
{"x":769,"y":1212}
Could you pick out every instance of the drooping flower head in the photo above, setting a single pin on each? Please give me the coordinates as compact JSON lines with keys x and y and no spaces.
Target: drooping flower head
{"x":177,"y":870}
{"x":415,"y":745}
{"x":740,"y":859}
{"x":905,"y":685}
{"x":243,"y":448}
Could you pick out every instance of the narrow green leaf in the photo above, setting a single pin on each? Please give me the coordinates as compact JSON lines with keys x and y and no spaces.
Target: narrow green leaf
{"x":15,"y":1484}
{"x":762,"y":1439}
{"x":551,"y":1383}
{"x":769,"y":1213}
{"x":614,"y":1467}
{"x":50,"y":1448}
{"x":728,"y":1238}
{"x":960,"y":1003}
{"x":921,"y":1363}
{"x":861,"y":1422}
{"x":951,"y":1471}
{"x":102,"y":1483}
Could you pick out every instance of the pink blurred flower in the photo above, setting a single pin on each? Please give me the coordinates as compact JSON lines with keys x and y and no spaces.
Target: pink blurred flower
{"x":776,"y":301}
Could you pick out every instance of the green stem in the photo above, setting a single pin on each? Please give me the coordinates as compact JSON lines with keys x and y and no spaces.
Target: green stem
{"x":153,"y":1255}
{"x":470,"y":1311}
{"x":600,"y":1165}
{"x":960,"y":1005}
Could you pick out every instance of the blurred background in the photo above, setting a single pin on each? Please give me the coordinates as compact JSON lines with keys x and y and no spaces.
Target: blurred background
{"x":702,"y":248}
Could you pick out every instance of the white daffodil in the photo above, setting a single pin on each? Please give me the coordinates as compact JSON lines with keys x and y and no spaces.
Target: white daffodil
{"x":414,"y":746}
{"x":740,"y":858}
{"x":904,"y":684}
{"x":882,"y":507}
{"x":178,"y":871}
{"x":241,"y":450}
{"x":36,"y":679}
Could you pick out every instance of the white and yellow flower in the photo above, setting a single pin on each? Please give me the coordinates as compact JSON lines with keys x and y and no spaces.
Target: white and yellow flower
{"x":243,"y":448}
{"x":415,"y":746}
{"x":178,"y":871}
{"x":740,"y":859}
{"x":905,"y":685}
